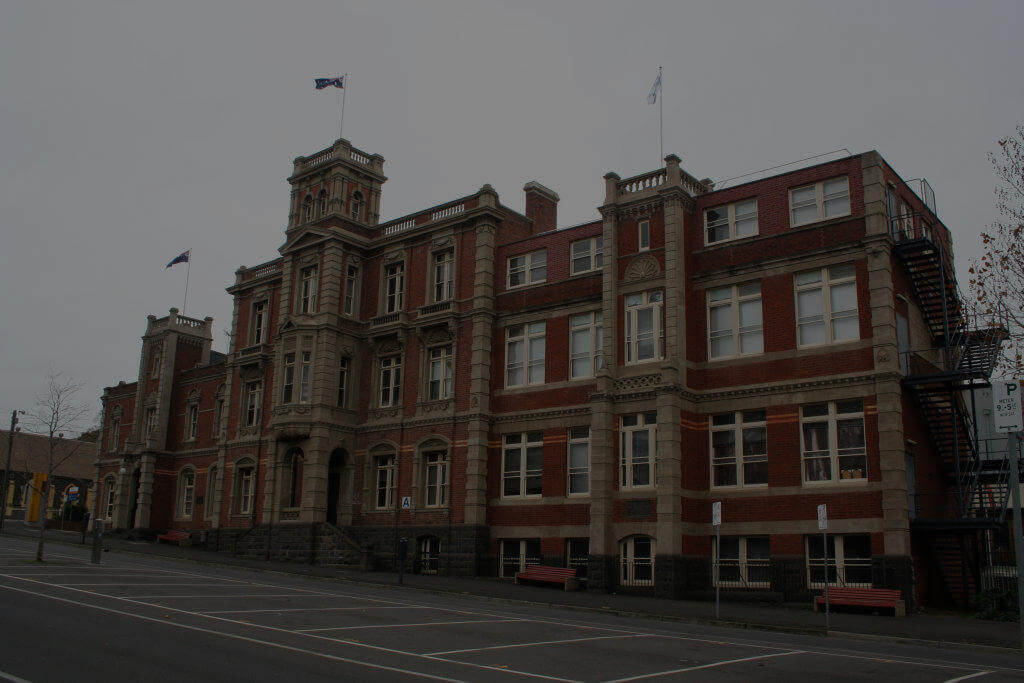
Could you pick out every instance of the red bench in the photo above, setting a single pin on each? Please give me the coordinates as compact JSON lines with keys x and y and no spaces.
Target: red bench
{"x":176,"y":537}
{"x":542,"y":574}
{"x":864,"y":597}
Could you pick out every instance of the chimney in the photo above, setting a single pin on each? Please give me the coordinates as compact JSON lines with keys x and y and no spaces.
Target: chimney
{"x":541,"y":206}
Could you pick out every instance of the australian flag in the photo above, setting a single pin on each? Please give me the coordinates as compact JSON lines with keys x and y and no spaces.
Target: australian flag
{"x":180,"y":258}
{"x":322,"y":83}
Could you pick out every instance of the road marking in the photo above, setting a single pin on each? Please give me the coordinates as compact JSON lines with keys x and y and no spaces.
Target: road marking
{"x":158,"y":596}
{"x":705,"y":666}
{"x":427,"y":623}
{"x":310,"y":609}
{"x":964,"y":678}
{"x":11,"y":677}
{"x":117,"y":583}
{"x":258,"y":641}
{"x":544,"y":642}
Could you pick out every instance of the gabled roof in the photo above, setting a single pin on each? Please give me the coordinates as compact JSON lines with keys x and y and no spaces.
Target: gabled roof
{"x":31,"y":454}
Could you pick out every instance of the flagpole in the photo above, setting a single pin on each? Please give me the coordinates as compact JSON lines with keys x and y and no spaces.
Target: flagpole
{"x":344,"y":89}
{"x":188,"y":270}
{"x":661,"y":119}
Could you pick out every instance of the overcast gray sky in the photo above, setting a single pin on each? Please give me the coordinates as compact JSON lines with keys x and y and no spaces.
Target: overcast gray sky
{"x":130,"y":132}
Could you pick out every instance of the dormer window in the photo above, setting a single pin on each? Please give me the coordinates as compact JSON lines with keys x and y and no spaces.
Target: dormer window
{"x":356,"y":205}
{"x":321,"y":203}
{"x":307,"y":208}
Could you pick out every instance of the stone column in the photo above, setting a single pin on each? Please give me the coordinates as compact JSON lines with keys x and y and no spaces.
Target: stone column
{"x":314,"y":476}
{"x":147,"y":474}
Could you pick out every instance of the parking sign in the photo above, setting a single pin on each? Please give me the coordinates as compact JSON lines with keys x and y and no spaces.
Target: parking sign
{"x":1006,"y":406}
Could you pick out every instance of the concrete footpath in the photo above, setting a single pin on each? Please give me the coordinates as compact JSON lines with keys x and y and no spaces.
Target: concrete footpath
{"x":927,"y":627}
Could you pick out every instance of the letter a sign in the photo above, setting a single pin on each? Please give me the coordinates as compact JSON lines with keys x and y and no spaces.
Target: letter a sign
{"x":1006,"y":408}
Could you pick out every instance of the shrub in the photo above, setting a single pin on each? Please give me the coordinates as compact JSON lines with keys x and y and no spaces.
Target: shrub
{"x":998,"y":604}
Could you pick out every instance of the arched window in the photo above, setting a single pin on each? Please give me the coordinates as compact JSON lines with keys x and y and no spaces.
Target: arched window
{"x":356,"y":205}
{"x":110,"y":489}
{"x":636,"y":561}
{"x":210,"y":502}
{"x":186,"y":493}
{"x":307,"y":208}
{"x":243,"y":491}
{"x":429,"y":554}
{"x":321,"y":203}
{"x":293,"y":461}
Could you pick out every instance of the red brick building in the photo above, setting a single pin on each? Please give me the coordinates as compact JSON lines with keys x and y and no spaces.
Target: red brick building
{"x":501,"y":390}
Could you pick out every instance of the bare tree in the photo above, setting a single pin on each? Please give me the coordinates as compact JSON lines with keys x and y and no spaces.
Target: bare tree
{"x":997,"y":276}
{"x":56,"y":411}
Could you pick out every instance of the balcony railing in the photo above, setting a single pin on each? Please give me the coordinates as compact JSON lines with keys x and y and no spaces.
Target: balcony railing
{"x":426,"y":217}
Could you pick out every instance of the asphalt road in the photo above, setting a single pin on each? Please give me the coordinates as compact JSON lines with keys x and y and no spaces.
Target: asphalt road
{"x":152,"y":619}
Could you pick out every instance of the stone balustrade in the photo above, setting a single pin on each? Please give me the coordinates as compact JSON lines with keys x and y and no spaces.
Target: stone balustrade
{"x":262,"y":270}
{"x":423,"y":218}
{"x":642,"y":183}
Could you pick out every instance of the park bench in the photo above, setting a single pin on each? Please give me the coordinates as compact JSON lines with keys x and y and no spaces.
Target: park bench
{"x":864,"y":597}
{"x":176,"y":537}
{"x":542,"y":574}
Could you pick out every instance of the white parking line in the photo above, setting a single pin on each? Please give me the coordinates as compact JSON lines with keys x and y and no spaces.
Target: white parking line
{"x":11,"y":677}
{"x":964,"y":678}
{"x":545,"y":642}
{"x":704,"y":666}
{"x":258,"y":641}
{"x":162,"y":596}
{"x":426,"y":623}
{"x":313,"y":609}
{"x":117,"y":583}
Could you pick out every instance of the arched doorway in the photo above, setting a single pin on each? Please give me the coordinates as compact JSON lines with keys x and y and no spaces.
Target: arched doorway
{"x":335,"y":469}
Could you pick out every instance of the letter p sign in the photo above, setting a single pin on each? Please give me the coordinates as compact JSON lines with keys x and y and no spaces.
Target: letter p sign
{"x":1006,"y":406}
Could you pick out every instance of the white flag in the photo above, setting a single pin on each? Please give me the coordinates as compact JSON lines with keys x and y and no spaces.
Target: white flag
{"x":652,"y":96}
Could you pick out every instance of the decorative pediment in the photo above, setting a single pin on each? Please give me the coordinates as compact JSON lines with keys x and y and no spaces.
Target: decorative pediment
{"x":391,"y":345}
{"x":117,"y":411}
{"x":439,"y":242}
{"x":303,"y":239}
{"x":194,"y":396}
{"x":642,"y":267}
{"x":396,"y":255}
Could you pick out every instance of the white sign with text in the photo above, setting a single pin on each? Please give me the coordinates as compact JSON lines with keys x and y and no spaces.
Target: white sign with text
{"x":1006,"y":406}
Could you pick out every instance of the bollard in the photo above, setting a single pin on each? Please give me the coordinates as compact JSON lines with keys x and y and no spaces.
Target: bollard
{"x":97,"y":541}
{"x":403,"y":552}
{"x":85,"y":526}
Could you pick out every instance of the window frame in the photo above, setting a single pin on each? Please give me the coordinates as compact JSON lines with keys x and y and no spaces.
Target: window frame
{"x":385,"y":464}
{"x":191,"y":420}
{"x":530,"y":331}
{"x":527,"y":551}
{"x":114,"y":436}
{"x":527,"y":270}
{"x":436,"y":460}
{"x":630,"y":326}
{"x":736,"y":332}
{"x":251,"y":404}
{"x":743,"y":563}
{"x":643,"y":235}
{"x":738,"y":427}
{"x":210,"y":500}
{"x":577,"y":436}
{"x":309,"y":289}
{"x":110,"y":484}
{"x":259,"y":322}
{"x":186,"y":494}
{"x":646,"y":421}
{"x":150,"y":424}
{"x":838,"y":559}
{"x":628,"y":561}
{"x":244,"y":489}
{"x":344,"y":364}
{"x":441,"y":359}
{"x":594,"y":328}
{"x":442,"y":275}
{"x":594,"y":255}
{"x":827,"y":316}
{"x":305,"y":376}
{"x":389,"y":380}
{"x":832,"y":419}
{"x":349,"y":302}
{"x":819,"y":200}
{"x":288,"y":378}
{"x":394,"y":277}
{"x":522,"y":445}
{"x":731,"y":220}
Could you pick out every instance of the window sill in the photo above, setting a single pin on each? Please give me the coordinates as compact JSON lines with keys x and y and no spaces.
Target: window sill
{"x":734,"y":358}
{"x":519,"y":288}
{"x":729,"y":241}
{"x":740,"y":487}
{"x":819,"y":221}
{"x":839,"y":483}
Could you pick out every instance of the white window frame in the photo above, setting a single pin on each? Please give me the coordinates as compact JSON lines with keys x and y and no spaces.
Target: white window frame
{"x":634,"y":305}
{"x":210,"y":502}
{"x":309,"y":286}
{"x":394,"y":287}
{"x":520,"y":447}
{"x":591,"y":249}
{"x":742,"y":422}
{"x":115,"y":434}
{"x":743,"y":563}
{"x":435,"y":478}
{"x":305,"y":376}
{"x":150,"y":424}
{"x":735,"y":297}
{"x":439,"y":373}
{"x":343,"y":368}
{"x":245,"y":487}
{"x":838,"y":459}
{"x":321,"y":203}
{"x":527,"y":552}
{"x":578,"y":440}
{"x":532,"y":266}
{"x":442,"y":274}
{"x":351,"y":290}
{"x":826,"y":282}
{"x":307,"y":208}
{"x":385,"y":467}
{"x":838,"y":559}
{"x":643,"y":235}
{"x":629,"y":562}
{"x":260,"y":318}
{"x":288,"y":378}
{"x":186,"y":493}
{"x":532,"y":363}
{"x":629,"y":427}
{"x":589,"y":328}
{"x":429,"y":554}
{"x":251,"y":407}
{"x":191,"y":420}
{"x":111,"y":489}
{"x":732,"y":216}
{"x":820,"y":201}
{"x":390,"y":380}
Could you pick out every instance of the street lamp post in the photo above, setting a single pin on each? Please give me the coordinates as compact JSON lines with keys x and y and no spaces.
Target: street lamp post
{"x":7,"y":469}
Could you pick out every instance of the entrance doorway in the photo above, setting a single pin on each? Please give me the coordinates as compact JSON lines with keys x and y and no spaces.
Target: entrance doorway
{"x":335,"y":469}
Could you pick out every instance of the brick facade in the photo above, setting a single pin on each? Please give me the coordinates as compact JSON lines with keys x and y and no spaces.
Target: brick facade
{"x":264,"y":438}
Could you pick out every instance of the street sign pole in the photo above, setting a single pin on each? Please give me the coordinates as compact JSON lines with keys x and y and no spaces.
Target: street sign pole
{"x":1008,"y":417}
{"x":716,"y":520}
